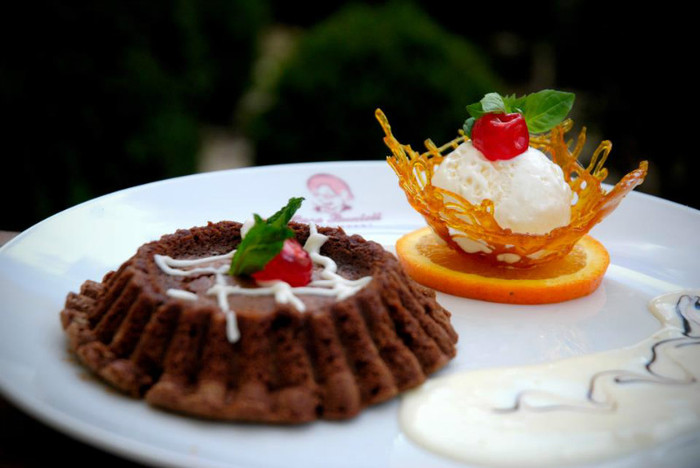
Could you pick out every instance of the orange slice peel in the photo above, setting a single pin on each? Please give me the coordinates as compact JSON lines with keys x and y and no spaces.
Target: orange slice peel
{"x":432,"y":262}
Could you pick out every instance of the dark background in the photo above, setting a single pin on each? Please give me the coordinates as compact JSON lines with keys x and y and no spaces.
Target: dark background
{"x":106,"y":95}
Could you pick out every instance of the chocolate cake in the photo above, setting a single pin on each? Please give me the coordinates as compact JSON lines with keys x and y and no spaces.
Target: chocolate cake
{"x":154,"y":333}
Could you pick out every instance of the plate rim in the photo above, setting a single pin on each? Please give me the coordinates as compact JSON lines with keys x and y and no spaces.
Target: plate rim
{"x":132,"y":449}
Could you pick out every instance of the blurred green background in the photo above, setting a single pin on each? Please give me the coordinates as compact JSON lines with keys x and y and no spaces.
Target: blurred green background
{"x":107,"y":95}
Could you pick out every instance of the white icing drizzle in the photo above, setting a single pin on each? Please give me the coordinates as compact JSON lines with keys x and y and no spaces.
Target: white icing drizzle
{"x":181,"y":294}
{"x":576,"y":410}
{"x":168,"y":264}
{"x":331,"y":283}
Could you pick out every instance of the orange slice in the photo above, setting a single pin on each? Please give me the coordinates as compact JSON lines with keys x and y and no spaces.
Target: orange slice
{"x":431,"y":262}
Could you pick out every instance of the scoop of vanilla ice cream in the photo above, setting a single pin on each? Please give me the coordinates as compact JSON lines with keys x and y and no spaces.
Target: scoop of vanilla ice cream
{"x":529,"y":193}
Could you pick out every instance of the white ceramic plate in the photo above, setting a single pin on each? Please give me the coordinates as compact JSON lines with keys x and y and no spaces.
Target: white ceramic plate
{"x":654,"y":247}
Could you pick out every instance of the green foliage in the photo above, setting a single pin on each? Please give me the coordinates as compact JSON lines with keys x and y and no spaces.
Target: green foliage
{"x":542,"y":110}
{"x":364,"y":57}
{"x":545,"y":109}
{"x":264,"y":240}
{"x":112,"y":94}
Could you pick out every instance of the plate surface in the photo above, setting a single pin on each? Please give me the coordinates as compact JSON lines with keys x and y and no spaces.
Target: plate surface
{"x":654,"y":247}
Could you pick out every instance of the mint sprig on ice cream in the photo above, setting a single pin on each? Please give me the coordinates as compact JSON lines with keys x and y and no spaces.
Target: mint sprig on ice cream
{"x":528,"y":191}
{"x":500,"y":126}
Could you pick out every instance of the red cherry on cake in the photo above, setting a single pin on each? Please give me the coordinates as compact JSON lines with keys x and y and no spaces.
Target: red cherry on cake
{"x":500,"y":136}
{"x":292,"y":265}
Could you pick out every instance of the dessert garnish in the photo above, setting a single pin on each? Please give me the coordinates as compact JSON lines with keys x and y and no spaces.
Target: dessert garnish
{"x":427,"y":257}
{"x":503,"y":210}
{"x":500,"y":126}
{"x":269,"y":252}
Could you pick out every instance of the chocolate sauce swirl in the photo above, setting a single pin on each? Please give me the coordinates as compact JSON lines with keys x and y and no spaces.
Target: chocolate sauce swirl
{"x":687,"y":311}
{"x":576,"y":410}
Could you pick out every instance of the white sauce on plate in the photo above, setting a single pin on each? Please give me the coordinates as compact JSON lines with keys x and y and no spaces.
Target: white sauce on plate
{"x":330,"y":282}
{"x":575,"y":410}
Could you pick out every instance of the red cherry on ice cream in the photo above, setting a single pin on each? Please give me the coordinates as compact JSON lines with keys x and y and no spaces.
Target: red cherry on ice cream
{"x":500,"y":136}
{"x":292,"y":265}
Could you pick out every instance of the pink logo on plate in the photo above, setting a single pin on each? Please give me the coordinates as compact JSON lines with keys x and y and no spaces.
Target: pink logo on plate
{"x":331,"y":194}
{"x":332,"y":200}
